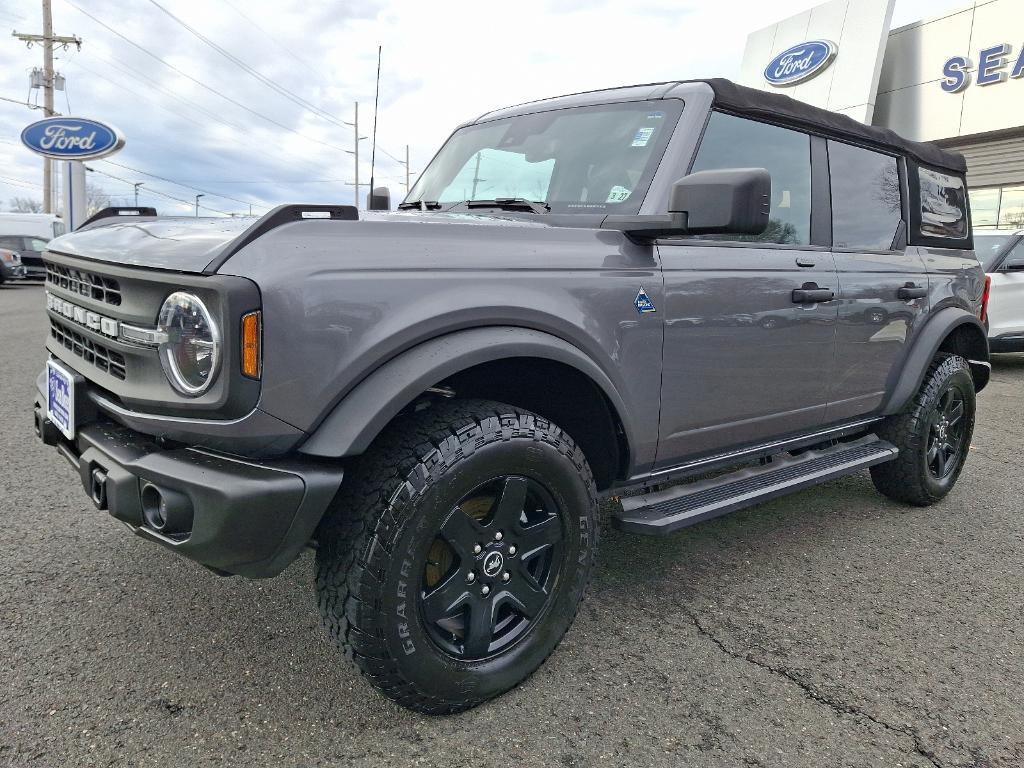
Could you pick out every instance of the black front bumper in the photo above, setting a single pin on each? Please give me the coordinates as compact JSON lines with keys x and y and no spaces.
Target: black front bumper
{"x":244,"y":517}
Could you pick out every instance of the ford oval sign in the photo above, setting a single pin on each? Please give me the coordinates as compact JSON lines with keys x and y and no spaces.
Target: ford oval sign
{"x":72,"y":138}
{"x":801,"y":62}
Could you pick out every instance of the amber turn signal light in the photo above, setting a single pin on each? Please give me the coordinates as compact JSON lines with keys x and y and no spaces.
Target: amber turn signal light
{"x":251,"y":345}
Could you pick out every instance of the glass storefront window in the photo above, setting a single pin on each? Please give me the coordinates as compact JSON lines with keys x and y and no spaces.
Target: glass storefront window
{"x":998,"y":207}
{"x":985,"y":207}
{"x":1011,"y":208}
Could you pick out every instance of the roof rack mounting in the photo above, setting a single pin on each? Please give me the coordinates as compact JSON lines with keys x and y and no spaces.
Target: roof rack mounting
{"x":282,"y":214}
{"x":118,"y":210}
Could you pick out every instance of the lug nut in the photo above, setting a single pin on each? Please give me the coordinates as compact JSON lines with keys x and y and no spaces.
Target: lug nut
{"x":477,"y":549}
{"x":498,"y":536}
{"x":471,"y":577}
{"x":485,"y":590}
{"x":512,"y":549}
{"x":506,"y":576}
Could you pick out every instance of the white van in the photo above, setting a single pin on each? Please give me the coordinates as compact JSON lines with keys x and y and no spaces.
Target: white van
{"x":27,"y":234}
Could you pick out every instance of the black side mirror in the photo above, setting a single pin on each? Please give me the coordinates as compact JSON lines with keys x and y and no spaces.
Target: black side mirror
{"x":379,"y":199}
{"x":733,"y":201}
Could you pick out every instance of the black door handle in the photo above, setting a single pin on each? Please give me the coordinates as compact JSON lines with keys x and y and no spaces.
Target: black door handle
{"x":810,"y":293}
{"x":911,"y":291}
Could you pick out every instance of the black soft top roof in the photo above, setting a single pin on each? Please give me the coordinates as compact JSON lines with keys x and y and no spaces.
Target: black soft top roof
{"x":777,"y":108}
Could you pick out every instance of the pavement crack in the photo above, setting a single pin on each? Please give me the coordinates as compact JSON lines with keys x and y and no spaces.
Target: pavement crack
{"x":839,"y":707}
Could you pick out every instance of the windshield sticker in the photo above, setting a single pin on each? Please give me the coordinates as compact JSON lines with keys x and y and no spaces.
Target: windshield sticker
{"x":643,"y":135}
{"x":618,"y":194}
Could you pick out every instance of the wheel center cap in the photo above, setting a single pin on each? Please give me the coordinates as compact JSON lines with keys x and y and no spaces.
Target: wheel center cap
{"x":493,"y":563}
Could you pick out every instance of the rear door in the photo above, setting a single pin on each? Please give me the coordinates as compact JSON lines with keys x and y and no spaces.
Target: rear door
{"x":883,"y":285}
{"x":746,"y":358}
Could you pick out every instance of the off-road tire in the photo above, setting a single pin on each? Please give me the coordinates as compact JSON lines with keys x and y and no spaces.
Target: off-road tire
{"x":908,"y":478}
{"x":373,"y":543}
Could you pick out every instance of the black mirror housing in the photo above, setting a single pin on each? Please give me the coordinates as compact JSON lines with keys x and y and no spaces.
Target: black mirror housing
{"x":379,"y":199}
{"x":732,"y":201}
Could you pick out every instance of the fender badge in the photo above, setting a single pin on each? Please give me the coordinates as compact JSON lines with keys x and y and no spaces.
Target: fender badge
{"x":643,"y":302}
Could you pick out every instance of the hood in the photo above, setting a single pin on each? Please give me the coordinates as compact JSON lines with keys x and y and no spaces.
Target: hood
{"x":186,"y":244}
{"x":179,"y":244}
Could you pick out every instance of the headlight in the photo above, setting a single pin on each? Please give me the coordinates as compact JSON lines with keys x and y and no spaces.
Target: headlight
{"x":191,"y":354}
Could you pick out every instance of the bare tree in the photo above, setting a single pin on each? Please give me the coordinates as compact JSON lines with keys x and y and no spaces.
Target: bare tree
{"x":95,"y":199}
{"x":26,"y":205}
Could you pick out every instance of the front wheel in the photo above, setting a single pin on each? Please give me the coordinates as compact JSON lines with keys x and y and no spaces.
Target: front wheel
{"x":457,"y":553}
{"x":933,"y":434}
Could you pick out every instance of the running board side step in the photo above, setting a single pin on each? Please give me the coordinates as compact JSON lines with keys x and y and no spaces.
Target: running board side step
{"x":662,"y":512}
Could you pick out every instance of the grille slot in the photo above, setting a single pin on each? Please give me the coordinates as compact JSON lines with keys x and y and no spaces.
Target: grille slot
{"x":97,"y":287}
{"x":102,"y":357}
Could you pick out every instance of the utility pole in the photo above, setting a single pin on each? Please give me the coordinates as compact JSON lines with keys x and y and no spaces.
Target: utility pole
{"x":407,"y":169}
{"x":355,"y":151}
{"x":48,"y":39}
{"x":476,"y":176}
{"x":197,"y":204}
{"x":137,"y":185}
{"x":355,"y":123}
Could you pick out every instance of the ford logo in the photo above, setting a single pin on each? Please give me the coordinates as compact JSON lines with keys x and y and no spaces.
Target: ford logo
{"x":71,"y":138}
{"x":801,"y":62}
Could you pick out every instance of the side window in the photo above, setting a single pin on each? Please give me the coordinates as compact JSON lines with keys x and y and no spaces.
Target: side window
{"x":735,"y":142}
{"x":943,"y":205}
{"x":866,"y":203}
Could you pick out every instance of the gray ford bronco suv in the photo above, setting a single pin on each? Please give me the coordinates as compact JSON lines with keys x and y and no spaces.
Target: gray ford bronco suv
{"x":692,"y":295}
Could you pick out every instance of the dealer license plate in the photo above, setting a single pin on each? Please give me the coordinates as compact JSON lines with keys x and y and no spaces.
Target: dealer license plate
{"x":60,"y":398}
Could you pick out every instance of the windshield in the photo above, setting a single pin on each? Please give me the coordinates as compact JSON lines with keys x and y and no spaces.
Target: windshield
{"x":580,"y":160}
{"x":988,"y":248}
{"x":19,"y":243}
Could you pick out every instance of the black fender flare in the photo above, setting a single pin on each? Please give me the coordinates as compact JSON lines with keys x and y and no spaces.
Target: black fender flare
{"x":929,"y":340}
{"x":363,"y":413}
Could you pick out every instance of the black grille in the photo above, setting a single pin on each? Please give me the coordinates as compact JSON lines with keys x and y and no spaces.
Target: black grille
{"x":92,"y":352}
{"x":84,"y":283}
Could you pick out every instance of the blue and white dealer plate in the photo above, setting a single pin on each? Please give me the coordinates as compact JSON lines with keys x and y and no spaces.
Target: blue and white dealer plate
{"x":60,"y":398}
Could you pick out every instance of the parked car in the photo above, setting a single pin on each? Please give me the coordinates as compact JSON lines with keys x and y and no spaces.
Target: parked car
{"x":10,"y":266}
{"x":435,"y":399}
{"x":27,"y":234}
{"x":1002,"y":255}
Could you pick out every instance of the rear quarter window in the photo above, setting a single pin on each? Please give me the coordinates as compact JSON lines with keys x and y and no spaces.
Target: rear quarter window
{"x":943,"y":205}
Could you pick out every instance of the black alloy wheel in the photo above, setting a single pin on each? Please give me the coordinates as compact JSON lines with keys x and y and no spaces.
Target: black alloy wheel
{"x":946,"y":434}
{"x":491,"y":570}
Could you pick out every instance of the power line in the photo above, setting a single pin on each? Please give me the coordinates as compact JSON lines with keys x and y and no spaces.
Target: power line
{"x":156,"y":192}
{"x":199,"y":82}
{"x":145,"y":79}
{"x":254,"y":73}
{"x":261,"y":203}
{"x":271,"y":38}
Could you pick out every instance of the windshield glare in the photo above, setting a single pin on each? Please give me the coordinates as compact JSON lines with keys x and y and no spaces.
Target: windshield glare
{"x":577,"y":160}
{"x":988,"y":247}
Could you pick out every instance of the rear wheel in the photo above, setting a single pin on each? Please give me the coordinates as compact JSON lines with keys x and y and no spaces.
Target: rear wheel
{"x":457,"y":553}
{"x":933,"y":435}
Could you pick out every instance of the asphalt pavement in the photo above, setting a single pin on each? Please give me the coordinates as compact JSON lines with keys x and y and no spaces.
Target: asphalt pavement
{"x":831,"y":628}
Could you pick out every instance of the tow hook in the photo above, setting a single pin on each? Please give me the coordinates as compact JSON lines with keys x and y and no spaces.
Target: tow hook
{"x":98,"y":488}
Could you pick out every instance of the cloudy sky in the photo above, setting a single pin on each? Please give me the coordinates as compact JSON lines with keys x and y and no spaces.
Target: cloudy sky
{"x":251,"y":102}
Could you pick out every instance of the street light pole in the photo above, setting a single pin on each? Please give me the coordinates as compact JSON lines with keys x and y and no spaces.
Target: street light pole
{"x":197,"y":204}
{"x":137,"y":185}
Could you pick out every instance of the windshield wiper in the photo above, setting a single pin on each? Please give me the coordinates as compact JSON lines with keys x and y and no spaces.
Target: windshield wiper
{"x":420,"y":205}
{"x":511,"y":204}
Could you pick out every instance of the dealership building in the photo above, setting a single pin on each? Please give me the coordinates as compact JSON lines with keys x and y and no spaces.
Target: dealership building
{"x":957,"y":80}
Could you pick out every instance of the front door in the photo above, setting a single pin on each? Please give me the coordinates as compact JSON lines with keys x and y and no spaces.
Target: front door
{"x":750,"y":323}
